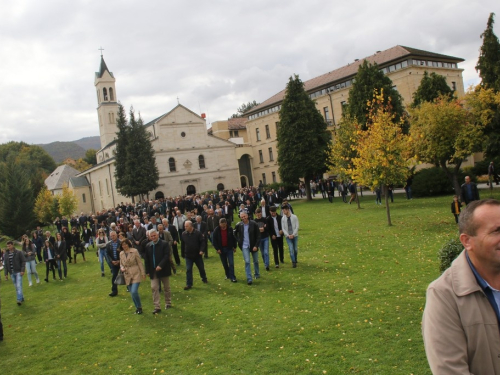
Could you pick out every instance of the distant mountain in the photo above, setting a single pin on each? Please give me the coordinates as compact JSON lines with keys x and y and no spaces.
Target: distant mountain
{"x":60,"y":151}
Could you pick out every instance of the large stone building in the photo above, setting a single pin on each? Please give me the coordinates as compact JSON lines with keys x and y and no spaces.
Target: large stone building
{"x":405,"y":66}
{"x":189,"y":160}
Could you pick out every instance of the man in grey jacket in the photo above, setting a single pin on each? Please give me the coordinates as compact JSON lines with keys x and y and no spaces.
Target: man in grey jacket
{"x":15,"y":264}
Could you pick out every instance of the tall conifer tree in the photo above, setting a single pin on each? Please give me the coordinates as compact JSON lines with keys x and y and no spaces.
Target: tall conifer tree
{"x":303,"y":139}
{"x":368,"y":79}
{"x":16,"y":195}
{"x":488,"y":64}
{"x":431,"y":87}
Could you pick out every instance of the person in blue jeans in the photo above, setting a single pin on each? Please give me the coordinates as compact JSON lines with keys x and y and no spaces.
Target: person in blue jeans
{"x":14,"y":264}
{"x":247,"y":234}
{"x":264,"y":237}
{"x":290,"y":226}
{"x":225,"y":244}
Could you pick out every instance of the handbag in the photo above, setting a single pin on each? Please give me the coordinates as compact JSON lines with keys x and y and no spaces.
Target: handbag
{"x":120,"y":279}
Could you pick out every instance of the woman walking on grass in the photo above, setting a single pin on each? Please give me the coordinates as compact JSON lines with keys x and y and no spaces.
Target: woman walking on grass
{"x":133,"y":271}
{"x":101,"y":240}
{"x":50,"y":261}
{"x":30,"y":255}
{"x":61,"y":255}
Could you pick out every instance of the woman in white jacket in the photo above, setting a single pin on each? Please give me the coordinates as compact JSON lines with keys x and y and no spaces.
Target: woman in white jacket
{"x":101,"y":240}
{"x":290,"y":226}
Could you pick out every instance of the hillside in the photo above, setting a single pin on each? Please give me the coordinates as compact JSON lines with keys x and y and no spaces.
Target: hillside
{"x":75,"y":149}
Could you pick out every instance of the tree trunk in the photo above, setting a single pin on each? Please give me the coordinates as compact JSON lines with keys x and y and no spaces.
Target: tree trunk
{"x":308,"y":189}
{"x":453,"y":176}
{"x":387,"y":209}
{"x":357,"y":198}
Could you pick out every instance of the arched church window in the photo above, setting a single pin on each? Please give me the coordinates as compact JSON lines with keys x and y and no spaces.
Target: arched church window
{"x":201,"y":161}
{"x":171,"y":164}
{"x":111,"y":94}
{"x":105,"y":93}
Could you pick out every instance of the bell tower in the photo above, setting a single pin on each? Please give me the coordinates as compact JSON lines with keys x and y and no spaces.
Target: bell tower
{"x":107,"y":105}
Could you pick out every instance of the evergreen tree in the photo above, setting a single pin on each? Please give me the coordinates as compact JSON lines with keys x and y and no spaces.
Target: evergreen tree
{"x":122,"y":176}
{"x":16,"y":195}
{"x":368,"y":79}
{"x":431,"y":87}
{"x":136,"y":172}
{"x":90,"y":156}
{"x":303,"y":138}
{"x":141,"y":159}
{"x":244,"y":108}
{"x":488,"y":64}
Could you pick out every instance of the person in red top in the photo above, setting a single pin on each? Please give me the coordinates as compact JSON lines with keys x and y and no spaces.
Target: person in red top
{"x":225,"y":244}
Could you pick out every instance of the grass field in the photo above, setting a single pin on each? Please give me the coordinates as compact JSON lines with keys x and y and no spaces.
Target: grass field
{"x":353,"y":305}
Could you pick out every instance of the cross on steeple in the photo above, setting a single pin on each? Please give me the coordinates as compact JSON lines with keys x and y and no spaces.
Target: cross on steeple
{"x":100,"y":49}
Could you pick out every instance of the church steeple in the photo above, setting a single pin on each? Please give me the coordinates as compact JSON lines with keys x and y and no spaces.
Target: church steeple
{"x":107,"y":108}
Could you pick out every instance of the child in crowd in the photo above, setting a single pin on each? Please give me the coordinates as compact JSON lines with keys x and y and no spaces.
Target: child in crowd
{"x":455,"y":207}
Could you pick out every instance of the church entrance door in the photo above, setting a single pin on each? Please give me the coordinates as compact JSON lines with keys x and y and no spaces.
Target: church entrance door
{"x":191,"y":189}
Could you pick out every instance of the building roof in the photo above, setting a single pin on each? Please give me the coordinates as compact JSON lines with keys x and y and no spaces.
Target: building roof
{"x":102,"y":69}
{"x":60,"y":176}
{"x":237,"y":123}
{"x":79,"y":181}
{"x":381,"y":58}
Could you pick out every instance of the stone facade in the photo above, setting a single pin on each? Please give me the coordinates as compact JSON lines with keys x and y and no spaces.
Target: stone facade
{"x":405,"y":66}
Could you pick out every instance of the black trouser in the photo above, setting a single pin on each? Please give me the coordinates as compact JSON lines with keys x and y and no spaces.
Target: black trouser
{"x":175,"y":251}
{"x":114,"y":273}
{"x":50,"y":265}
{"x":68,"y":251}
{"x":1,"y":326}
{"x":456,"y":217}
{"x":39,"y":255}
{"x":277,"y":245}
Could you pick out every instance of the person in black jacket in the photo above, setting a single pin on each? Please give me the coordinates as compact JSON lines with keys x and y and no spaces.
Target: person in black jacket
{"x":61,"y":255}
{"x":113,"y":254}
{"x":193,"y":243}
{"x":159,"y":269}
{"x":225,"y":245}
{"x":248,"y":236}
{"x":276,"y":235}
{"x":469,"y":191}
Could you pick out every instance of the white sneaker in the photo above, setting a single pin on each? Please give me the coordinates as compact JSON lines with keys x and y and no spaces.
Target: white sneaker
{"x":31,"y":284}
{"x":38,"y":281}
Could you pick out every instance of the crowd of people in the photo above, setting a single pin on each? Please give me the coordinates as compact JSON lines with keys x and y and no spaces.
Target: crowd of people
{"x":151,"y":238}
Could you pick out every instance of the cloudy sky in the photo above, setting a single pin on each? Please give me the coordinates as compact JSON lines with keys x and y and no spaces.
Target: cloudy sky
{"x":212,"y":55}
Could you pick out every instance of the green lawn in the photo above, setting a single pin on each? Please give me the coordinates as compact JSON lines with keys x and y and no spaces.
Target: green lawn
{"x":353,"y":305}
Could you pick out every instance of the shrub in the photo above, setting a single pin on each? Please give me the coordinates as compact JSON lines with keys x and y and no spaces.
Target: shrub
{"x":434,"y":181}
{"x":448,"y":253}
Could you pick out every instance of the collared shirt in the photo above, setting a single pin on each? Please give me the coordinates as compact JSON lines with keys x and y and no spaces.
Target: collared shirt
{"x":493,"y":295}
{"x":246,"y":236}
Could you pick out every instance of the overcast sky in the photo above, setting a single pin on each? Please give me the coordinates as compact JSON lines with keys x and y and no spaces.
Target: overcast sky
{"x":212,"y":55}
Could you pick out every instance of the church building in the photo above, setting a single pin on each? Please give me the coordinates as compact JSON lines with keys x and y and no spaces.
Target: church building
{"x":188,"y":158}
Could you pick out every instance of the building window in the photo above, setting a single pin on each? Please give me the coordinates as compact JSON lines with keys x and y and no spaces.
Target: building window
{"x":111,"y":95}
{"x":277,"y":126}
{"x":201,"y":161}
{"x":111,"y":117}
{"x":454,"y":86}
{"x":261,"y":157}
{"x":274,"y":176}
{"x":183,"y":134}
{"x":105,"y":94}
{"x":268,"y":133}
{"x":84,"y":200}
{"x":271,"y":157}
{"x":93,"y":190}
{"x":100,"y":189}
{"x":264,"y":179}
{"x":107,"y":187}
{"x":343,"y":105}
{"x":257,"y":133}
{"x":171,"y":164}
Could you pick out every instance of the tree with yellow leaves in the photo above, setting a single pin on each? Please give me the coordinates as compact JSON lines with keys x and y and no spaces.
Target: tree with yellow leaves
{"x":68,"y":202}
{"x":43,"y":206}
{"x":382,"y":150}
{"x":445,"y":133}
